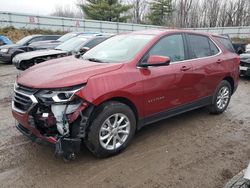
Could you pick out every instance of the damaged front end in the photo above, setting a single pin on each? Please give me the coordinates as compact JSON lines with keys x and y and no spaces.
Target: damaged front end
{"x":58,"y":116}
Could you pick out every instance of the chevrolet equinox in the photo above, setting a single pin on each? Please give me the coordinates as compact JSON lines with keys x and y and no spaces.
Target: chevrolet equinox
{"x":122,"y":84}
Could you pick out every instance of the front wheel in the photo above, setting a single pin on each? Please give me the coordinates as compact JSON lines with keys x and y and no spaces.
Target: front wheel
{"x":221,"y":98}
{"x":111,"y":130}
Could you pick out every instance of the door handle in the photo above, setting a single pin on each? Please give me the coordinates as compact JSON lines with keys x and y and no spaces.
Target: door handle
{"x":219,"y":61}
{"x":185,"y":68}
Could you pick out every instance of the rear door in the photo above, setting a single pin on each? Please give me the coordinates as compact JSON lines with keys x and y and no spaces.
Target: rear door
{"x":167,"y":87}
{"x":207,"y":61}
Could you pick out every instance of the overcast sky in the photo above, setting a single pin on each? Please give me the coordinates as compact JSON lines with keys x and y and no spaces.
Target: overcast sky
{"x":40,"y":7}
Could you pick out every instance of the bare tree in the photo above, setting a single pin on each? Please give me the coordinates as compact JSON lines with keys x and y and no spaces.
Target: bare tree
{"x":139,"y":10}
{"x":66,"y":11}
{"x":185,"y":13}
{"x":183,"y":9}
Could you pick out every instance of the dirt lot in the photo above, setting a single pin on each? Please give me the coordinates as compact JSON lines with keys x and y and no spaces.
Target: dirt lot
{"x":191,"y":150}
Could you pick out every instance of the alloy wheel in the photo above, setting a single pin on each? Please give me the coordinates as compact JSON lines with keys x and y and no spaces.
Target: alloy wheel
{"x":223,"y":97}
{"x":114,"y":131}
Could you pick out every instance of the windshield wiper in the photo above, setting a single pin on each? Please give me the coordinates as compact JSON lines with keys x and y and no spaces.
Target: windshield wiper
{"x":58,"y":49}
{"x":95,"y":60}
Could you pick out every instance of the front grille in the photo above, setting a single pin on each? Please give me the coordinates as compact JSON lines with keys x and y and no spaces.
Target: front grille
{"x":22,"y":102}
{"x":26,"y":90}
{"x":22,"y":98}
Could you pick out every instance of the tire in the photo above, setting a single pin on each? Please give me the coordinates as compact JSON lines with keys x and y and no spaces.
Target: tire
{"x":219,"y":107}
{"x":238,"y":181}
{"x":103,"y":133}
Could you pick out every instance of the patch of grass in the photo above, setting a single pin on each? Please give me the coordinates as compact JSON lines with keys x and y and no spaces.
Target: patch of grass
{"x":241,"y":40}
{"x":16,"y":34}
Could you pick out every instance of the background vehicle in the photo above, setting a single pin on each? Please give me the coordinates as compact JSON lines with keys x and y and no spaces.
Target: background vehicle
{"x":241,"y":180}
{"x":76,"y":45}
{"x":239,"y":47}
{"x":8,"y":52}
{"x":54,"y":43}
{"x":4,"y":40}
{"x":128,"y":81}
{"x":248,"y":48}
{"x":245,"y":64}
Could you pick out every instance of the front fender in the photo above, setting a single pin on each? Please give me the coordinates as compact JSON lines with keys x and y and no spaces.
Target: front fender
{"x":117,"y":84}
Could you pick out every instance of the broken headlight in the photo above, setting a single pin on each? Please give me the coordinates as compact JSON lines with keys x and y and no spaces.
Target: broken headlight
{"x":58,"y":95}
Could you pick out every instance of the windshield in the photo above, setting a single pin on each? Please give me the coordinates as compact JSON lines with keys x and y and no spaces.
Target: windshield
{"x":118,"y":49}
{"x":24,"y":40}
{"x":67,"y":37}
{"x":73,"y":44}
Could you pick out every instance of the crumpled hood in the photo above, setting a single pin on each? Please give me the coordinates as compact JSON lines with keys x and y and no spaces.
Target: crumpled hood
{"x":63,"y":72}
{"x":38,"y":53}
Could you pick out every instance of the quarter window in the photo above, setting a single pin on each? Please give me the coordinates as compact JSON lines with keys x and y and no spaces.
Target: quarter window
{"x":171,"y":46}
{"x":226,"y":43}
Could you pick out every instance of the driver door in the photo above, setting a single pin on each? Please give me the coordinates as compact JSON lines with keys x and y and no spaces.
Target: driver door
{"x":167,"y":87}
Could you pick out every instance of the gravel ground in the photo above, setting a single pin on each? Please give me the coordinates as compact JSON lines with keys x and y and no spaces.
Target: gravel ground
{"x":195,"y":149}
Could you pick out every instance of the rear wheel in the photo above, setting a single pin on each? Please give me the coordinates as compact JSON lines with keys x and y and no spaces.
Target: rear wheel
{"x":111,"y":130}
{"x":221,"y":98}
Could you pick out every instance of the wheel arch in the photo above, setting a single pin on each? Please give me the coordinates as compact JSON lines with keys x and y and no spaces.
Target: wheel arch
{"x":231,"y":81}
{"x":120,"y":99}
{"x":127,"y":102}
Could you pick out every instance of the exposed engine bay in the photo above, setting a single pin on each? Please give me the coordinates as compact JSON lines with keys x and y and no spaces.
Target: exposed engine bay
{"x":55,"y":113}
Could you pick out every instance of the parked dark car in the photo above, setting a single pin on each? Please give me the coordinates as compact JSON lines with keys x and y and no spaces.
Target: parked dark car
{"x":245,"y":64}
{"x":76,"y":45}
{"x":41,"y":45}
{"x":122,"y":84}
{"x":4,"y":40}
{"x":239,"y":47}
{"x":7,"y":52}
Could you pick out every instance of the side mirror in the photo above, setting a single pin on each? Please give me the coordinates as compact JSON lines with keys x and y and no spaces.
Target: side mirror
{"x":156,"y":60}
{"x":84,"y":50}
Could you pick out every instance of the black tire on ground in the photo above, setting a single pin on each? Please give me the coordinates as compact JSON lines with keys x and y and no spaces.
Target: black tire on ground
{"x":214,"y":108}
{"x":102,"y":113}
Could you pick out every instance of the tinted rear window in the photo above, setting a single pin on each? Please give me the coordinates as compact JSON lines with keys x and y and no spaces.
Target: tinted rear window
{"x":226,"y":43}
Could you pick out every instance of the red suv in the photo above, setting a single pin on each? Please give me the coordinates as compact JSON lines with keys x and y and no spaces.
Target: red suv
{"x":124,"y":83}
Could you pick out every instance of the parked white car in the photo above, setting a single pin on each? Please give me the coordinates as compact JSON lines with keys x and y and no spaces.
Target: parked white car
{"x":248,"y":48}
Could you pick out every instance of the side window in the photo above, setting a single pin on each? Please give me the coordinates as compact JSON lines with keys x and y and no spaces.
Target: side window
{"x":171,"y":46}
{"x":36,"y":39}
{"x":200,"y":46}
{"x":50,"y":37}
{"x":213,"y":48}
{"x":226,"y":43}
{"x":94,"y":42}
